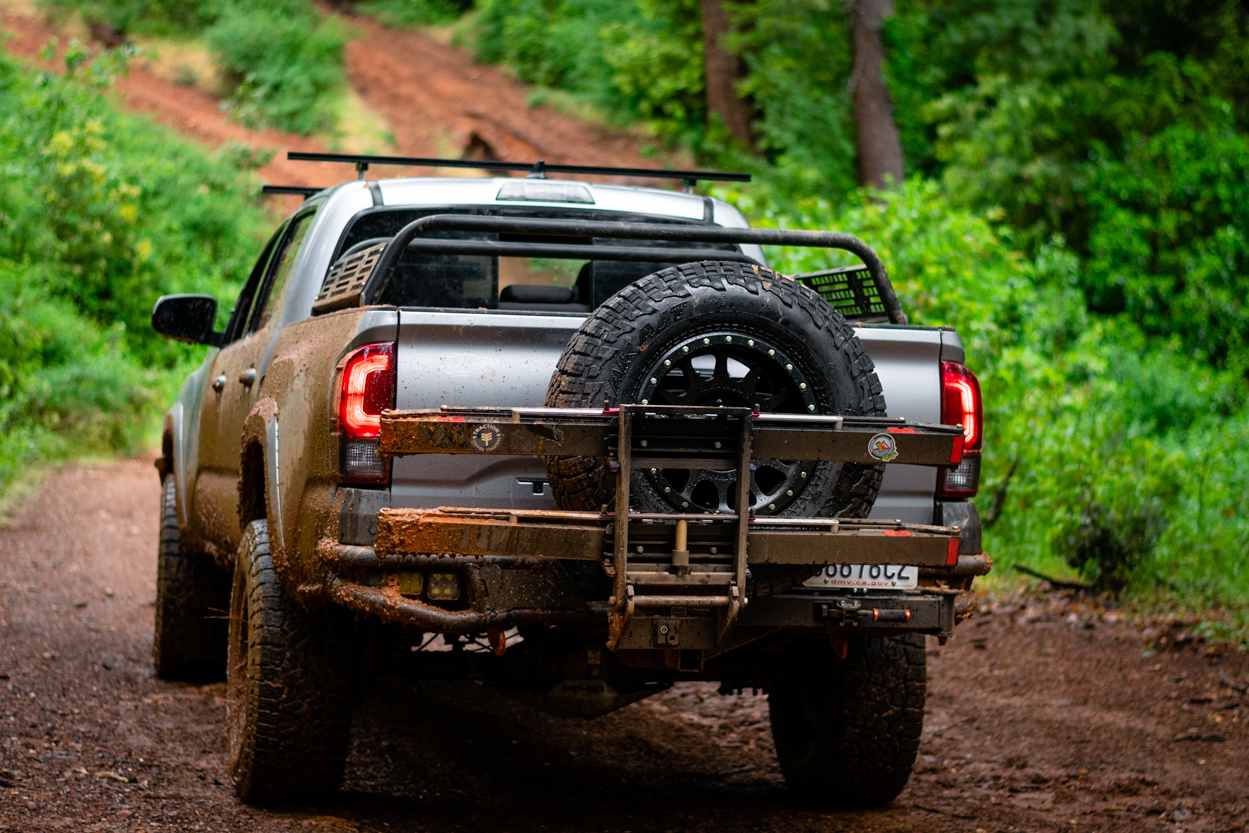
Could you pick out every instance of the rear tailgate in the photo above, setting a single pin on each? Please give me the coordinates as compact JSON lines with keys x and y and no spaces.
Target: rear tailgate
{"x":471,"y":359}
{"x":503,"y":360}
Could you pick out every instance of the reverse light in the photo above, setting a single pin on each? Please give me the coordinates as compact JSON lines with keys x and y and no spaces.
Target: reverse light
{"x":961,"y":405}
{"x":367,"y":387}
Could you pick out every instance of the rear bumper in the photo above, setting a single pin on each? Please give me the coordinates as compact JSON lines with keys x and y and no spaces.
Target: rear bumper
{"x":512,"y":591}
{"x":918,"y":611}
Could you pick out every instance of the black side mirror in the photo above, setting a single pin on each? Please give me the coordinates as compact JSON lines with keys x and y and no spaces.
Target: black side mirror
{"x":187,"y":318}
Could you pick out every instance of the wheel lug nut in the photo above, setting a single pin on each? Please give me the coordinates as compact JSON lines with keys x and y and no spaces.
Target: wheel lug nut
{"x":706,"y":341}
{"x":804,"y":475}
{"x":771,"y":352}
{"x":809,"y":407}
{"x":646,"y":402}
{"x":654,"y":381}
{"x":750,"y":343}
{"x":789,"y":367}
{"x":654,"y":471}
{"x":685,"y":349}
{"x":685,"y":504}
{"x":789,"y":493}
{"x":728,"y":339}
{"x":802,"y":386}
{"x":772,"y":506}
{"x":667,"y":489}
{"x":667,"y":363}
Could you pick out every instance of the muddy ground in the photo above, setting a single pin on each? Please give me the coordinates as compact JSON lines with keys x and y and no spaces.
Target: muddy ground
{"x":1044,"y":714}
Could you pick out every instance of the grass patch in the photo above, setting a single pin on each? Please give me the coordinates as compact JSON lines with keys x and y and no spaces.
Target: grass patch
{"x":100,"y":213}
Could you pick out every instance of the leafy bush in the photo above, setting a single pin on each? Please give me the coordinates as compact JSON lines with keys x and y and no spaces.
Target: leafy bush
{"x":153,"y":17}
{"x":99,"y":214}
{"x":401,"y":13}
{"x":280,"y":62}
{"x":1126,"y":461}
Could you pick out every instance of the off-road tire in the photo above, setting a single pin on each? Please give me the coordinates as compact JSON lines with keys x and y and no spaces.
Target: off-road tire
{"x":847,"y":731}
{"x":289,"y":693}
{"x":607,"y":362}
{"x":192,"y":599}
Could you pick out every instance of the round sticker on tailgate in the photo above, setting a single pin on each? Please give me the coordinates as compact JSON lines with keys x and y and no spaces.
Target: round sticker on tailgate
{"x":487,"y":437}
{"x":883,"y":447}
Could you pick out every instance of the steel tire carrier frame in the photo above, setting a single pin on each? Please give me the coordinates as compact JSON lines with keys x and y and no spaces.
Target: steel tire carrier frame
{"x":678,"y":580}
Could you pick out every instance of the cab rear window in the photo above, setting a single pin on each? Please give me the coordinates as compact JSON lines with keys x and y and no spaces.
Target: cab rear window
{"x":509,"y":283}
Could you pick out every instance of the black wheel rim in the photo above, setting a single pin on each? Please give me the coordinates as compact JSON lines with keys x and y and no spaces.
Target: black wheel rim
{"x":733,"y":370}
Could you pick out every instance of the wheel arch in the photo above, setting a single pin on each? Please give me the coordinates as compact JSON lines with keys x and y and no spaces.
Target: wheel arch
{"x":259,"y":487}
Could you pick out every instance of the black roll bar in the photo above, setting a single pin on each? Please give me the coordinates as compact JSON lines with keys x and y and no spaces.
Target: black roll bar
{"x":403,"y":241}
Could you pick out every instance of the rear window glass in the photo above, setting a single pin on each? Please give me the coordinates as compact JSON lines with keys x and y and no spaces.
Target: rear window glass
{"x":518,"y":283}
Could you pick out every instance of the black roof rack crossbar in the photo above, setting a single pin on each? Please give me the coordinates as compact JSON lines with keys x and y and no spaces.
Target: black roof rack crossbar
{"x":299,"y":190}
{"x":407,"y":239}
{"x":537,"y":170}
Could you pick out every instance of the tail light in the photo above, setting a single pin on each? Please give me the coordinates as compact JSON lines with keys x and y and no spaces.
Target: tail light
{"x":961,"y":405}
{"x":366,"y":388}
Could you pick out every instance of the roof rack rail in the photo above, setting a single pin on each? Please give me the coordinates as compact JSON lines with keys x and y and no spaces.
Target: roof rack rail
{"x":299,"y":190}
{"x":536,"y":170}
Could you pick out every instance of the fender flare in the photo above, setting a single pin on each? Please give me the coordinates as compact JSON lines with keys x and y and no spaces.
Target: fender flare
{"x":175,"y":462}
{"x":260,"y":431}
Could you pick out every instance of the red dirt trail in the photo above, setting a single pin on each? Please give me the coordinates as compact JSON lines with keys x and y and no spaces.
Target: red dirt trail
{"x":1044,"y":714}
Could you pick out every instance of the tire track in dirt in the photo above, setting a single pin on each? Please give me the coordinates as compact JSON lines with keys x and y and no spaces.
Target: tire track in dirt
{"x":1043,"y":716}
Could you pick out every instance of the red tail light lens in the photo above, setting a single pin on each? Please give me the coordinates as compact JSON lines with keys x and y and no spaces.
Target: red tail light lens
{"x":367,"y":387}
{"x":961,"y":405}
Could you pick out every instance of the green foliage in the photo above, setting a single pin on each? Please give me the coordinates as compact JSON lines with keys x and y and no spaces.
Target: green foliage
{"x":280,"y":62}
{"x":1169,"y":238}
{"x":403,"y":13}
{"x":100,"y":213}
{"x":152,"y":17}
{"x":638,"y":59}
{"x":1132,"y":463}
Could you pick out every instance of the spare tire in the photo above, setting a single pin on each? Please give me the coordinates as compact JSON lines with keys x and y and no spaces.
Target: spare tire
{"x":719,"y":333}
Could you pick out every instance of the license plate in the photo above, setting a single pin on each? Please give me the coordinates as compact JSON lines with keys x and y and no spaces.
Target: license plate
{"x":879,"y":576}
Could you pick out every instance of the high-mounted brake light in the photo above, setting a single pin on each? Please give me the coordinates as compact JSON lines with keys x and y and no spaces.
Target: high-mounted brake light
{"x":961,"y":405}
{"x":367,"y":387}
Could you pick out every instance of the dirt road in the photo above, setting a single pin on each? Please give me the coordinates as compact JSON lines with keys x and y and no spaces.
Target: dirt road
{"x":1044,"y":715}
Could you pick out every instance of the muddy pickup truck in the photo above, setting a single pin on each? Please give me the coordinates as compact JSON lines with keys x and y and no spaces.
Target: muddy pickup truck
{"x":572,"y":441}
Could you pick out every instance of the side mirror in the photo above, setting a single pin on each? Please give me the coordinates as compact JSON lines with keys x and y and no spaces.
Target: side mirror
{"x":187,"y":318}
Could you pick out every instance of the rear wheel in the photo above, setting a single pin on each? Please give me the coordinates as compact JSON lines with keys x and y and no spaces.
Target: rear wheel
{"x":847,"y":731}
{"x":288,"y":705}
{"x":192,"y":597}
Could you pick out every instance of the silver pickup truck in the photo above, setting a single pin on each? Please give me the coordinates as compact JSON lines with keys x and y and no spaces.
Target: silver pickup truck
{"x":573,"y":441}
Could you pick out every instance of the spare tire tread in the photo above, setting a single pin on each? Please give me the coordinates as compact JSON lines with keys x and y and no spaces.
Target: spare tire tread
{"x":626,"y":317}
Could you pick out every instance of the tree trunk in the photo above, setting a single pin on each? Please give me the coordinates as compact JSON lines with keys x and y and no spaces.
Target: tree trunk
{"x":722,"y":70}
{"x":880,"y":148}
